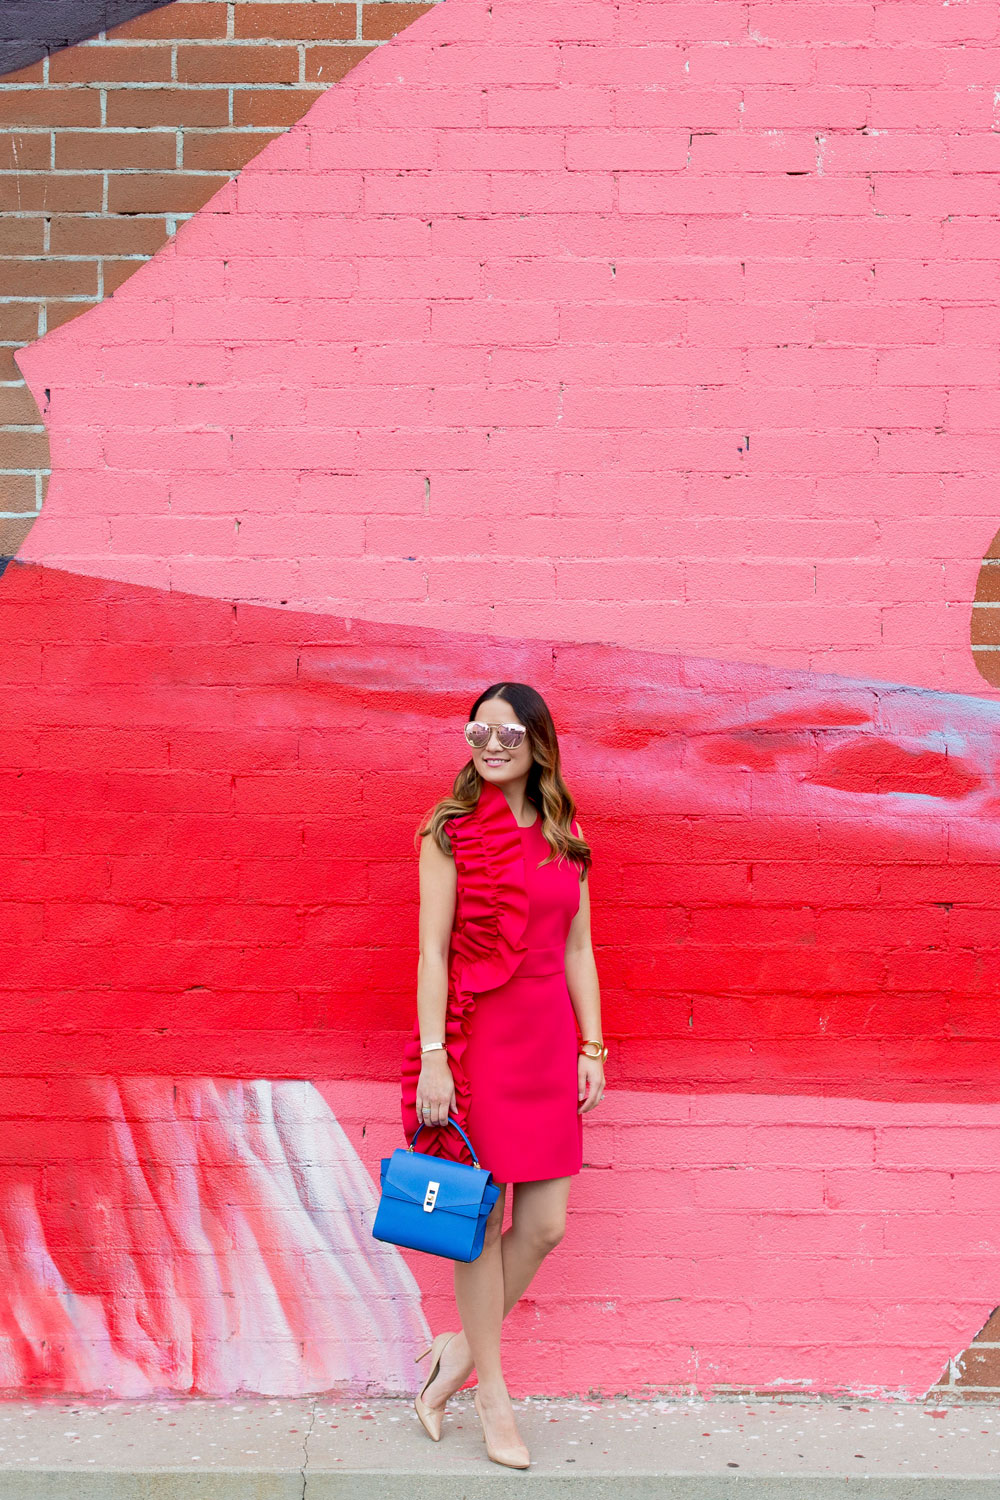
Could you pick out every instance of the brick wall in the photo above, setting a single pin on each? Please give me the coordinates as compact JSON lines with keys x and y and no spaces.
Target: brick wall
{"x":106,"y":146}
{"x":975,"y":1374}
{"x":931,"y":372}
{"x":208,"y":868}
{"x":797,"y":903}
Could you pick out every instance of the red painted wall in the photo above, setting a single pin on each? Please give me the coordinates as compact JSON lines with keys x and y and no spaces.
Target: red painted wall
{"x":209,"y":822}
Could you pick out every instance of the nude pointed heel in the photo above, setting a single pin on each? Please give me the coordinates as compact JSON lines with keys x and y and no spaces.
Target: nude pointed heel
{"x":511,"y":1458}
{"x":430,"y":1420}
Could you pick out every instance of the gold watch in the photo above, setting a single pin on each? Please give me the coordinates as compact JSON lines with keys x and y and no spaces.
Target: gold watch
{"x":600,"y":1054}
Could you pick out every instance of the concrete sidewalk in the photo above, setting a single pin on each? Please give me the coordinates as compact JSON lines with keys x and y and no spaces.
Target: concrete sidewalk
{"x":318,"y":1449}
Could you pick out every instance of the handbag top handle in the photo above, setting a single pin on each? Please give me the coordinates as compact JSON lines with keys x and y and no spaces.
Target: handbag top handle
{"x":465,"y":1138}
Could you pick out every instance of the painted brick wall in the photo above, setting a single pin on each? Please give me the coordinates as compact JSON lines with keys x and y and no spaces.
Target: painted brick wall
{"x":870,"y":417}
{"x":106,"y":146}
{"x":209,"y":872}
{"x":666,"y":325}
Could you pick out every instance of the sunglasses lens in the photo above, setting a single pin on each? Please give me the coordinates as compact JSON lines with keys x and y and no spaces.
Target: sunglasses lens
{"x":510,"y":735}
{"x":478,"y":735}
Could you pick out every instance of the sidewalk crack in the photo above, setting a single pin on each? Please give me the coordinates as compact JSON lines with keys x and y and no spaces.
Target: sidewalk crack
{"x":304,"y":1471}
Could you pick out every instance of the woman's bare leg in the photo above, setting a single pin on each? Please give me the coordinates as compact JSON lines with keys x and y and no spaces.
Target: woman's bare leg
{"x":538,"y":1222}
{"x":479,"y":1294}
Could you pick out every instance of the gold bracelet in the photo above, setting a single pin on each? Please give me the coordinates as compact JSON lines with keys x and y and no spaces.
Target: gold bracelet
{"x":600,"y":1054}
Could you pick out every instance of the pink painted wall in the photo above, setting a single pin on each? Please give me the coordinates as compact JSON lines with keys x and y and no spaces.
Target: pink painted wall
{"x":645,"y":352}
{"x":723,"y":1241}
{"x":668,"y":326}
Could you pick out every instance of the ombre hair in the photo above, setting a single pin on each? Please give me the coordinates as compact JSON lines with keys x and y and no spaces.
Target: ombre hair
{"x":546,"y":788}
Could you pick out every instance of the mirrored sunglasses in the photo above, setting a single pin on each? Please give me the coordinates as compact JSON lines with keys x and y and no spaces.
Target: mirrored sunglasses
{"x":509,"y":735}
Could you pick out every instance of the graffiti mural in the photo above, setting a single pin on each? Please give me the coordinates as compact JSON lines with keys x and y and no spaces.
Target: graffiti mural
{"x":546,"y":345}
{"x":195,"y":1234}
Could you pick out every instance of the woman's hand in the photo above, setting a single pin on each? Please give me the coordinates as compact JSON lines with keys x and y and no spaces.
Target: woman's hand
{"x":591,"y":1075}
{"x":435,"y":1090}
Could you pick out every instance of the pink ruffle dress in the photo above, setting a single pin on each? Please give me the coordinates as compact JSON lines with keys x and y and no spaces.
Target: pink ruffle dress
{"x":510,"y":1028}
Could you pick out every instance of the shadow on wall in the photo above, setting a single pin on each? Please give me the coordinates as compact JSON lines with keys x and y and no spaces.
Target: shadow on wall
{"x":30,"y":32}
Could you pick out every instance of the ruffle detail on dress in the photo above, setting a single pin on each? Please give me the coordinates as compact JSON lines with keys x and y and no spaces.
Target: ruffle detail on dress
{"x":487,"y":944}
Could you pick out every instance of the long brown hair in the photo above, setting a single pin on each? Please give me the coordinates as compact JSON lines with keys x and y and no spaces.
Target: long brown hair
{"x":546,"y":787}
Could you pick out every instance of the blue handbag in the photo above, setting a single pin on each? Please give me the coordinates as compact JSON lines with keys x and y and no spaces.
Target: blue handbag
{"x":432,"y":1203}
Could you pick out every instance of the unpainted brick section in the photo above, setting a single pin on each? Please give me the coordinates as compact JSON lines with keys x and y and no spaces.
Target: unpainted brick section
{"x":975,"y":1374}
{"x":314,"y":22}
{"x":106,"y":146}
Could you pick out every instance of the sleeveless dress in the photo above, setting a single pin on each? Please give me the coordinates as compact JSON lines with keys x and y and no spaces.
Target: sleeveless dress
{"x":510,"y":1027}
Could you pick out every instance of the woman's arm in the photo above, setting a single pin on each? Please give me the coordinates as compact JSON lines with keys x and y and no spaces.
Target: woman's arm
{"x":438,"y":883}
{"x":585,"y":993}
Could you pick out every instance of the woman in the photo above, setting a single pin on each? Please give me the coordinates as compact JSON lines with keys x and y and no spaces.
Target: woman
{"x":506,"y":973}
